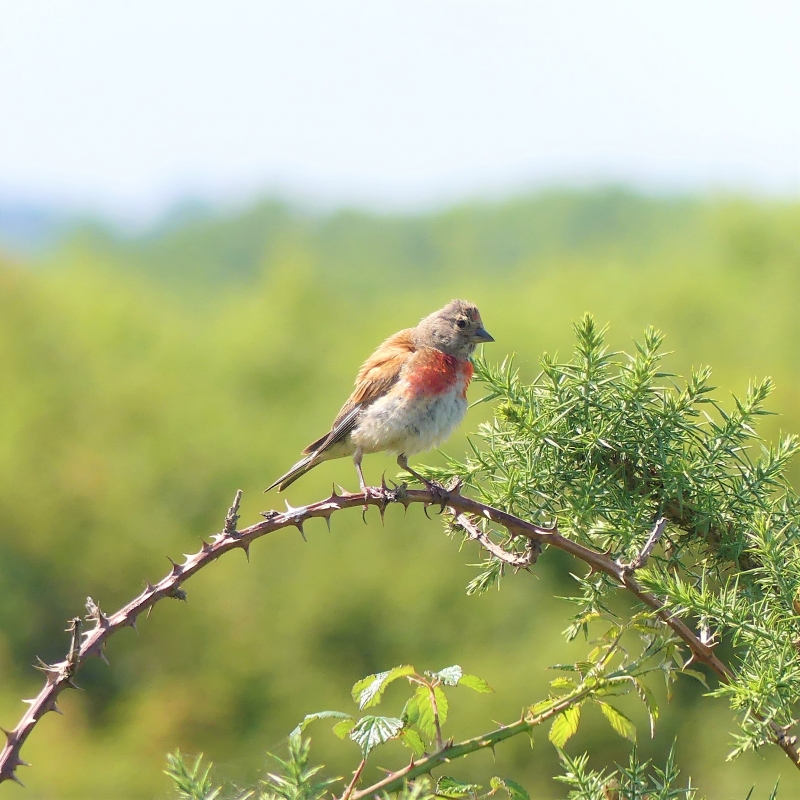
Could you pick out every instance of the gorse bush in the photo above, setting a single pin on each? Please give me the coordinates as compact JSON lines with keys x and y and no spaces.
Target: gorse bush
{"x":689,"y":529}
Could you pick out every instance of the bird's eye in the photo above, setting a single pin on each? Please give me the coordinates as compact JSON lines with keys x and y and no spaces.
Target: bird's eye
{"x":462,"y":323}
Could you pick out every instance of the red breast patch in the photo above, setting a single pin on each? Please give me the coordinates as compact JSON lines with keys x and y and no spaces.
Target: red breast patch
{"x":435,"y":372}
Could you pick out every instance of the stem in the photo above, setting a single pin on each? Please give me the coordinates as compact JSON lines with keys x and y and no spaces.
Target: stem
{"x":356,"y":775}
{"x":435,"y":709}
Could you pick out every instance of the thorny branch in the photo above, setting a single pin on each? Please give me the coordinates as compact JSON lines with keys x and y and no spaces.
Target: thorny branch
{"x":59,"y":676}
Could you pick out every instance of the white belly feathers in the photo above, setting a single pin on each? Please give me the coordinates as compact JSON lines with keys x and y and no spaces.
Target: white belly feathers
{"x":400,"y":424}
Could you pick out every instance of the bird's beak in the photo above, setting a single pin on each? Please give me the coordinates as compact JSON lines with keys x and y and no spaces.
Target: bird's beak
{"x":482,"y":335}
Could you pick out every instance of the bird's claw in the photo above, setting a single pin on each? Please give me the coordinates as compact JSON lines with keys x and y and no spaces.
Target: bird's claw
{"x":440,"y":494}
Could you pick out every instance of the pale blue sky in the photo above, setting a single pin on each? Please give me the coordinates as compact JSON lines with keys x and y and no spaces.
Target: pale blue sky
{"x":128,"y":106}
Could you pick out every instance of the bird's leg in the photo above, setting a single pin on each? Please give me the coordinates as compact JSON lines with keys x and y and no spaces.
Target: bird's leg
{"x":357,"y":456}
{"x":436,"y":489}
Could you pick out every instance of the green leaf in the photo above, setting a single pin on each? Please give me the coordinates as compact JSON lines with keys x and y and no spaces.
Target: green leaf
{"x":646,"y":695}
{"x":419,"y":710}
{"x":565,"y":725}
{"x":450,"y":787}
{"x":697,"y":675}
{"x":475,"y":683}
{"x":309,"y":718}
{"x":450,"y":676}
{"x":369,"y":732}
{"x":618,"y":721}
{"x":368,"y":691}
{"x":562,"y":683}
{"x":341,"y":729}
{"x":514,"y":790}
{"x":412,"y":740}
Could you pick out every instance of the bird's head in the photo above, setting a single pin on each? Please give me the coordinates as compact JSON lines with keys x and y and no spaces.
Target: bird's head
{"x":455,"y":329}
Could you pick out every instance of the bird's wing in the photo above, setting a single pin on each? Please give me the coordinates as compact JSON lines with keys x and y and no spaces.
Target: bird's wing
{"x":377,"y":375}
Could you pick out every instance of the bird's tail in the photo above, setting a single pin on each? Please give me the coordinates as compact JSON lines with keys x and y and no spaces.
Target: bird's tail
{"x":300,"y":468}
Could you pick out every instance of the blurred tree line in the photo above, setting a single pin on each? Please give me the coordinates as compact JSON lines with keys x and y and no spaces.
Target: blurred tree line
{"x":145,"y":378}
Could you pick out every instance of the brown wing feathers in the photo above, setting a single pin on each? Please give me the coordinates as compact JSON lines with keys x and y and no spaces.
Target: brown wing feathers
{"x":377,"y":375}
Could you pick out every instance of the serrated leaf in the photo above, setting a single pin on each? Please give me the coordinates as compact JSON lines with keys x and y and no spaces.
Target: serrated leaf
{"x":411,"y":710}
{"x":419,"y":710}
{"x":618,"y":721}
{"x":370,"y":731}
{"x":341,"y":729}
{"x":565,"y":725}
{"x":513,"y":789}
{"x":697,"y":675}
{"x":538,"y":708}
{"x":450,"y":676}
{"x":450,"y":787}
{"x":476,"y":684}
{"x":309,"y":718}
{"x":412,"y":740}
{"x":562,"y":682}
{"x":368,"y":691}
{"x":649,"y":700}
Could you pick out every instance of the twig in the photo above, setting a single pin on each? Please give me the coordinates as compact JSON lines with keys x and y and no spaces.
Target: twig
{"x":59,"y":676}
{"x":649,"y":546}
{"x":524,"y":560}
{"x":356,"y":775}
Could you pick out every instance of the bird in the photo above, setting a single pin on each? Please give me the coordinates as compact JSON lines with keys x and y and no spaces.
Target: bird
{"x":409,"y":395}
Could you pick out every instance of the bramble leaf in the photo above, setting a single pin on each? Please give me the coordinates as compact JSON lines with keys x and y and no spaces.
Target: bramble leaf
{"x":450,"y":787}
{"x":618,"y":721}
{"x":309,"y":718}
{"x":412,"y":740}
{"x":341,"y":729}
{"x":450,"y":676}
{"x":565,"y":725}
{"x":513,"y":789}
{"x":476,"y":684}
{"x":370,"y":731}
{"x":368,"y":691}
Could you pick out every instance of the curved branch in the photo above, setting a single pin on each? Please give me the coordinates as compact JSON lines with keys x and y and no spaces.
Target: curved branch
{"x":60,"y":676}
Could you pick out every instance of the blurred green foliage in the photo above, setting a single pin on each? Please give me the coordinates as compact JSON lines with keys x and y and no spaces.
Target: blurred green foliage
{"x":145,"y":379}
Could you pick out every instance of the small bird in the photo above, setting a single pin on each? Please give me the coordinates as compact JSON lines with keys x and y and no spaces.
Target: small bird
{"x":410,"y":394}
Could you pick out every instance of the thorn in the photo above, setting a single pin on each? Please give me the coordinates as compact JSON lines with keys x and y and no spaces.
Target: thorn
{"x":148,"y":587}
{"x":246,"y":547}
{"x":333,"y":492}
{"x":53,"y":706}
{"x":341,"y":489}
{"x":176,"y":567}
{"x":10,"y":735}
{"x":299,"y":526}
{"x":364,"y":513}
{"x":29,"y":700}
{"x":232,"y":517}
{"x":72,"y":685}
{"x":133,"y":624}
{"x":14,"y":777}
{"x":101,"y":654}
{"x":425,"y":509}
{"x":206,"y":548}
